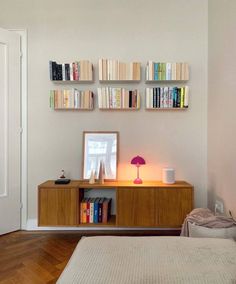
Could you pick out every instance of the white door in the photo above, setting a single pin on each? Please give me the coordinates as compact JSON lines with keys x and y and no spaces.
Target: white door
{"x":9,"y":131}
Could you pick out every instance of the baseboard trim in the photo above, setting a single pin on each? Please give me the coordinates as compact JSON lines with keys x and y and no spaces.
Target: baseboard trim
{"x":32,"y":225}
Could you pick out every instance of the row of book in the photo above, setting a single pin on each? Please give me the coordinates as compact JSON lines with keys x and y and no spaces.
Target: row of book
{"x":167,"y":71}
{"x":110,"y":69}
{"x":95,"y":210}
{"x":167,"y":97}
{"x":118,"y":98}
{"x":71,"y":99}
{"x":74,"y":71}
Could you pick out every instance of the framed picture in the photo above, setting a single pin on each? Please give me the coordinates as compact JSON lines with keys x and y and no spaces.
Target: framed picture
{"x":100,"y":147}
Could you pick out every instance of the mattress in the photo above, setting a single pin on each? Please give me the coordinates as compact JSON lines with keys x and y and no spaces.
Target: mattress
{"x":149,"y":260}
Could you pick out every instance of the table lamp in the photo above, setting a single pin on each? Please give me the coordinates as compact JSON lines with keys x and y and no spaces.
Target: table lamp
{"x":138,"y":161}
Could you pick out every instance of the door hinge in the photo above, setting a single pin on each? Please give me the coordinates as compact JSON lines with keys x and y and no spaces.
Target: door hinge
{"x":21,"y":130}
{"x":21,"y":54}
{"x":21,"y":205}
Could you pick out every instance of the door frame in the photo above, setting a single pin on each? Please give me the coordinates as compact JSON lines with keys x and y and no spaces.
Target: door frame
{"x":24,"y":127}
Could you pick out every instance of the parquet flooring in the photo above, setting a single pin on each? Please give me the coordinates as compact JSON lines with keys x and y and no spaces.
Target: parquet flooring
{"x":40,"y":257}
{"x":36,"y":258}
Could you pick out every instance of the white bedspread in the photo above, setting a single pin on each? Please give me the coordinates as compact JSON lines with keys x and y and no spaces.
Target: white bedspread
{"x":149,"y":260}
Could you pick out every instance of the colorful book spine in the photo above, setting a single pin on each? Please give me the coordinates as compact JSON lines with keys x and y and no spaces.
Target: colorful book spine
{"x":167,"y":71}
{"x":100,"y":209}
{"x":83,"y":211}
{"x":156,"y":71}
{"x":74,"y":71}
{"x":167,"y":97}
{"x":88,"y":210}
{"x":91,"y":211}
{"x":96,"y":207}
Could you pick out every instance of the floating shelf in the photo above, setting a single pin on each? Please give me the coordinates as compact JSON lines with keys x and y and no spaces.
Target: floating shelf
{"x":168,"y":108}
{"x":75,"y":72}
{"x":110,"y":98}
{"x":167,"y":98}
{"x":159,"y":71}
{"x":71,"y":100}
{"x":115,"y":71}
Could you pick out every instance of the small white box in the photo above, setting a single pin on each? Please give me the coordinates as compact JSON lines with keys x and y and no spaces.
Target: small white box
{"x":168,"y":175}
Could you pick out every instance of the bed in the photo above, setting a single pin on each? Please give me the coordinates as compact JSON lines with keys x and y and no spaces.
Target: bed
{"x":149,"y":260}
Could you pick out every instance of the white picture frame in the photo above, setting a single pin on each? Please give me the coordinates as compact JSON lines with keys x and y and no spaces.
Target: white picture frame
{"x":100,"y":146}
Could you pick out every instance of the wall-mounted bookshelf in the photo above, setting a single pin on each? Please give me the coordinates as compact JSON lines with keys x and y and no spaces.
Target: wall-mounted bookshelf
{"x":78,"y":71}
{"x":118,"y":99}
{"x":166,"y":98}
{"x":114,"y":70}
{"x":159,"y":71}
{"x":71,"y":99}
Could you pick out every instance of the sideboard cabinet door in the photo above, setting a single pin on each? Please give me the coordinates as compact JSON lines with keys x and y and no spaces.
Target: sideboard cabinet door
{"x":58,"y":206}
{"x":135,"y":207}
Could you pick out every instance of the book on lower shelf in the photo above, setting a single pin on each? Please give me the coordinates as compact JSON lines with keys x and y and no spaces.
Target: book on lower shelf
{"x":74,"y":71}
{"x":71,"y":99}
{"x":118,"y":98}
{"x":167,"y":98}
{"x":168,"y":71}
{"x":95,"y":210}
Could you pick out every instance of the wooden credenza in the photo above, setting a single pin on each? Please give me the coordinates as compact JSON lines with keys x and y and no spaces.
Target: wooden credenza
{"x":151,"y":204}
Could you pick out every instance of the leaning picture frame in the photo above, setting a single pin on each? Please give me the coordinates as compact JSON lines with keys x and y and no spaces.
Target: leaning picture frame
{"x":100,"y":147}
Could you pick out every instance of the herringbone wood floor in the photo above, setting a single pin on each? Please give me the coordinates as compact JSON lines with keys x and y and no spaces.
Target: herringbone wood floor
{"x":35,"y":257}
{"x":40,"y":257}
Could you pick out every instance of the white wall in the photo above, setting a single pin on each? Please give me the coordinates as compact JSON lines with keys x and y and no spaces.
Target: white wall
{"x":128,"y":30}
{"x":221,"y":104}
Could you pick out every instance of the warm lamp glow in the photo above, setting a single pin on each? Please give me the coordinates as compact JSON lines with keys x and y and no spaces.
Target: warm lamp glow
{"x":138,"y":161}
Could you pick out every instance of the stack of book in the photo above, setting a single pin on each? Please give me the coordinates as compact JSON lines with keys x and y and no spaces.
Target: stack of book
{"x":115,"y":70}
{"x":71,"y":99}
{"x":95,"y":210}
{"x":167,"y":97}
{"x":167,"y":71}
{"x":118,"y":98}
{"x":75,"y":71}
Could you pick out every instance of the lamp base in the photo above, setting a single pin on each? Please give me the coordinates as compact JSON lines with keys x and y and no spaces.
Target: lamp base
{"x":138,"y":181}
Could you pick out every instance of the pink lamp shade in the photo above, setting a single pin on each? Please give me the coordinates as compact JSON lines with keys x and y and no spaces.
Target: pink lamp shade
{"x":138,"y":161}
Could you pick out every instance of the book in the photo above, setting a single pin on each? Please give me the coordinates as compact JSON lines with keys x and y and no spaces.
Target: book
{"x":88,"y":210}
{"x":130,"y":99}
{"x":154,"y":98}
{"x":163,"y":73}
{"x":83,"y":211}
{"x":147,"y":98}
{"x":158,"y":97}
{"x":91,"y":211}
{"x":175,"y":96}
{"x":171,"y":98}
{"x":178,"y":71}
{"x":71,"y":72}
{"x":178,"y":97}
{"x":166,"y":98}
{"x":54,"y":70}
{"x":160,"y":67}
{"x":100,"y":209}
{"x":50,"y":71}
{"x":186,"y":96}
{"x":156,"y":71}
{"x":106,"y":210}
{"x":59,"y":72}
{"x":168,"y":71}
{"x":100,"y":69}
{"x":173,"y":71}
{"x":67,"y":71}
{"x":162,"y":97}
{"x":96,"y":209}
{"x":181,"y":97}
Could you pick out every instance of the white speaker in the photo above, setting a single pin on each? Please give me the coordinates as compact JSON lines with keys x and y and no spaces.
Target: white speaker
{"x":168,"y":175}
